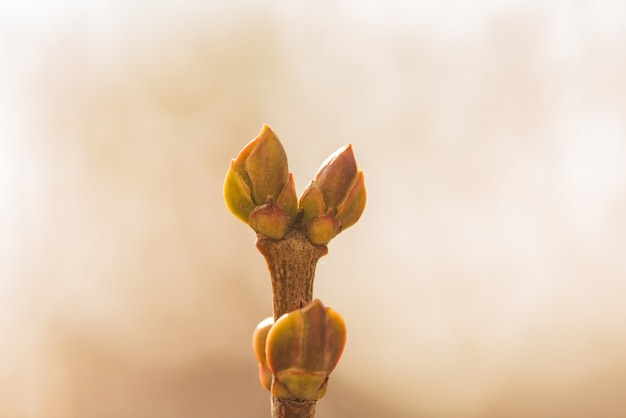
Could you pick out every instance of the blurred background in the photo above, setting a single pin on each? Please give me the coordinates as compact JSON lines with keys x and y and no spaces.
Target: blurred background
{"x":486,"y":277}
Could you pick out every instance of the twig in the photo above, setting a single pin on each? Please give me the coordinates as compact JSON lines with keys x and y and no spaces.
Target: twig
{"x":284,"y":408}
{"x":291,"y":262}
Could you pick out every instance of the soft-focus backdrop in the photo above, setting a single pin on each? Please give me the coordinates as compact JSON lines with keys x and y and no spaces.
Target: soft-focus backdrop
{"x":486,"y":278}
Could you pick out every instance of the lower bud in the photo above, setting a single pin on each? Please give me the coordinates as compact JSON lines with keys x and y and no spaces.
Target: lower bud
{"x":302,"y":349}
{"x":258,"y":346}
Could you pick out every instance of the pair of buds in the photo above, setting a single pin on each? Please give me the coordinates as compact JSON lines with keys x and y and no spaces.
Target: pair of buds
{"x":260,"y":190}
{"x":297,"y":353}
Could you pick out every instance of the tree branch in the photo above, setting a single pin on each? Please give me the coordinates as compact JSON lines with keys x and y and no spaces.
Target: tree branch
{"x":291,"y":262}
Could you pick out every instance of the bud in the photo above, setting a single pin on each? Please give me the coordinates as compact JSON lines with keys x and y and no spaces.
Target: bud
{"x":336,"y":197}
{"x":303,"y":347}
{"x":259,"y":189}
{"x":258,"y":346}
{"x":323,"y":228}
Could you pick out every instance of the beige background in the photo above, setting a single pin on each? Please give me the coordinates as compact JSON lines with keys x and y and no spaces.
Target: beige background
{"x":486,"y":277}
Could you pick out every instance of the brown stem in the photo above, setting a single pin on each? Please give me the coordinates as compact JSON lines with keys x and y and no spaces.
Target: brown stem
{"x":291,"y":262}
{"x":284,"y":408}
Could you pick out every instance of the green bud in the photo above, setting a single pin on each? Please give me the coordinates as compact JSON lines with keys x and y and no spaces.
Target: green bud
{"x":323,"y":228}
{"x":311,"y":203}
{"x":259,"y":189}
{"x":237,"y":194}
{"x":259,"y":338}
{"x":335,"y":199}
{"x":270,"y":220}
{"x":302,"y":348}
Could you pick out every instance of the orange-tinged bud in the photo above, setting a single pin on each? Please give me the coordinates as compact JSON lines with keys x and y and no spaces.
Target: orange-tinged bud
{"x":335,"y":199}
{"x":259,"y":189}
{"x":302,"y":349}
{"x":270,"y":220}
{"x":259,"y":338}
{"x":266,"y":166}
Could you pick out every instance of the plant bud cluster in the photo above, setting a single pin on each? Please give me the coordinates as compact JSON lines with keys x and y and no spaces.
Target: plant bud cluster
{"x":260,"y":190}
